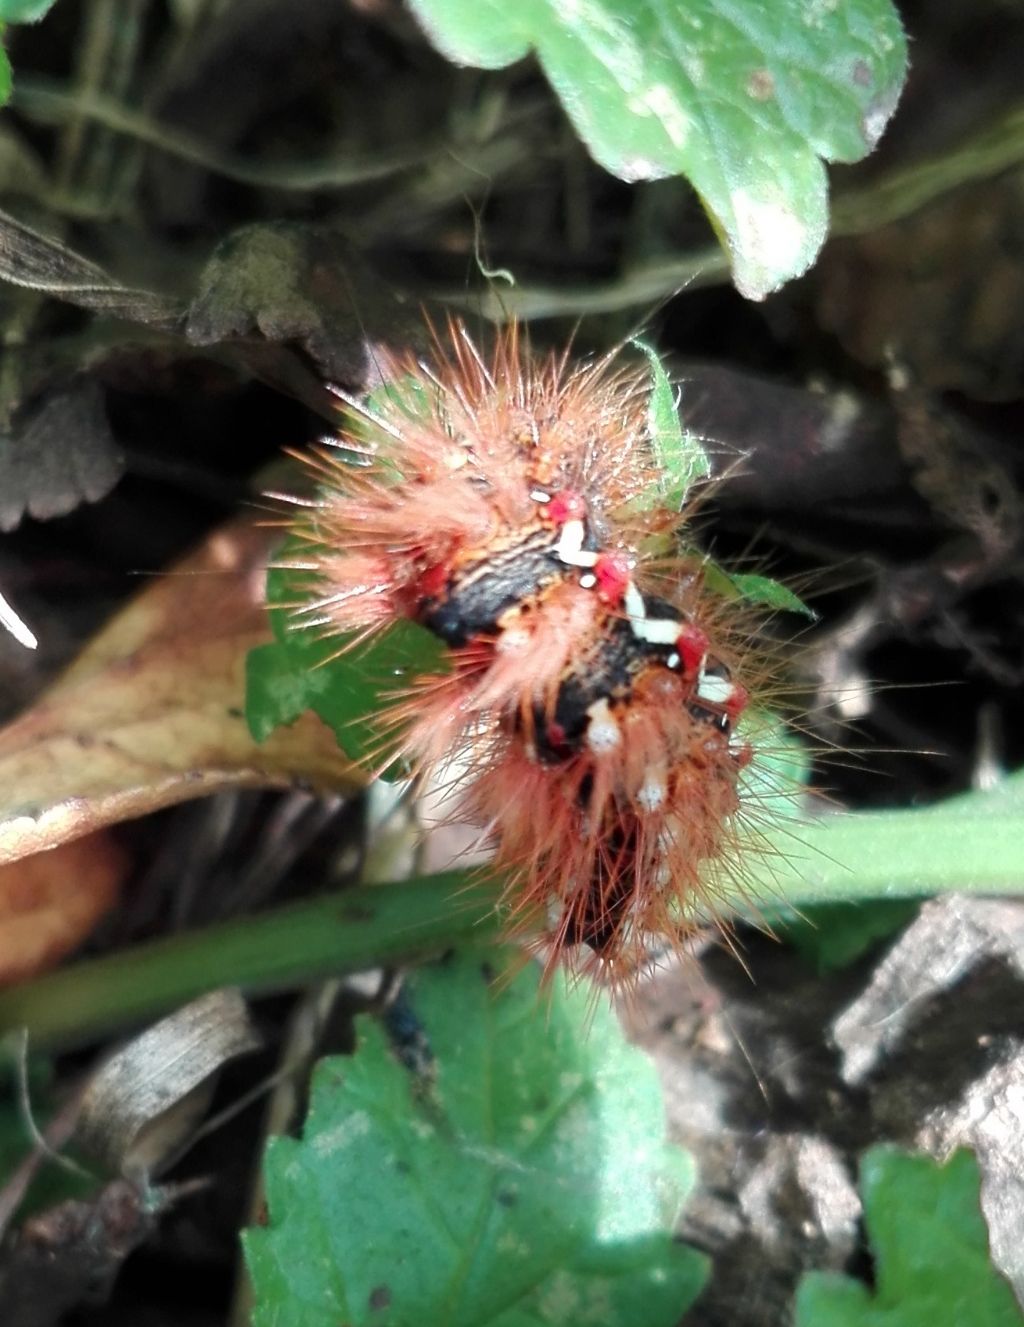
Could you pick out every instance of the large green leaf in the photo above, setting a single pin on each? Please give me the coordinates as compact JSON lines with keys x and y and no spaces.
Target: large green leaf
{"x":518,"y":1177}
{"x":932,"y":1266}
{"x":347,"y":690}
{"x":743,"y":97}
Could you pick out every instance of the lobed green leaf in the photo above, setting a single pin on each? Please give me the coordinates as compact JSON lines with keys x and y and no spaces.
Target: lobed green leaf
{"x":514,"y":1175}
{"x":932,"y":1266}
{"x":745,"y":99}
{"x":345,"y":684}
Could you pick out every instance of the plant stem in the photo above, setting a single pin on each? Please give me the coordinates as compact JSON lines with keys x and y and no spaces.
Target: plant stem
{"x":970,"y":844}
{"x":348,"y":931}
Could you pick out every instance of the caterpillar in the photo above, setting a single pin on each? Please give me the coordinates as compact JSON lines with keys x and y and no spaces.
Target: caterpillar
{"x":514,"y":505}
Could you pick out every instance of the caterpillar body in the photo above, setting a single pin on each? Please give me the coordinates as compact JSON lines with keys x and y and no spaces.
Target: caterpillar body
{"x":509,"y":503}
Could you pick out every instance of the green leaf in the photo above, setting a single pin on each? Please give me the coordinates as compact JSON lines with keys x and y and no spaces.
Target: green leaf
{"x":276,"y":691}
{"x":932,"y":1265}
{"x":771,"y":594}
{"x":761,"y":590}
{"x":347,"y":687}
{"x":346,"y":690}
{"x":744,"y":98}
{"x":25,"y":11}
{"x":680,"y":455}
{"x":835,"y":935}
{"x":520,"y":1177}
{"x":17,"y":11}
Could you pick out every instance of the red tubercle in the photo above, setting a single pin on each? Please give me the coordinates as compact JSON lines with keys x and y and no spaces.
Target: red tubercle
{"x":432,"y":581}
{"x":737,"y":702}
{"x":613,"y":572}
{"x":566,"y":505}
{"x":744,"y":755}
{"x":692,"y":645}
{"x":556,"y":736}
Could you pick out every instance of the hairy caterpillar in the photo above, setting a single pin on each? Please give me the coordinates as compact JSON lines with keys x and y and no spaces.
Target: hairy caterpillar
{"x":514,"y":505}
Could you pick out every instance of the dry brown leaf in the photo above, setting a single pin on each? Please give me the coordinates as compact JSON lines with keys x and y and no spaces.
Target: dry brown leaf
{"x":152,"y":711}
{"x":144,"y":1104}
{"x":51,"y":901}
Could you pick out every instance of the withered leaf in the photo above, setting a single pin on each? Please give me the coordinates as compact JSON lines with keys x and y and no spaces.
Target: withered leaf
{"x":40,"y":262}
{"x":151,"y":713}
{"x":146,"y":1100}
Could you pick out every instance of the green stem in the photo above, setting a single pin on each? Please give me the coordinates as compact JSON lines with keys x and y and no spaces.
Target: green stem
{"x":374,"y":926}
{"x":971,"y":844}
{"x":968,"y":845}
